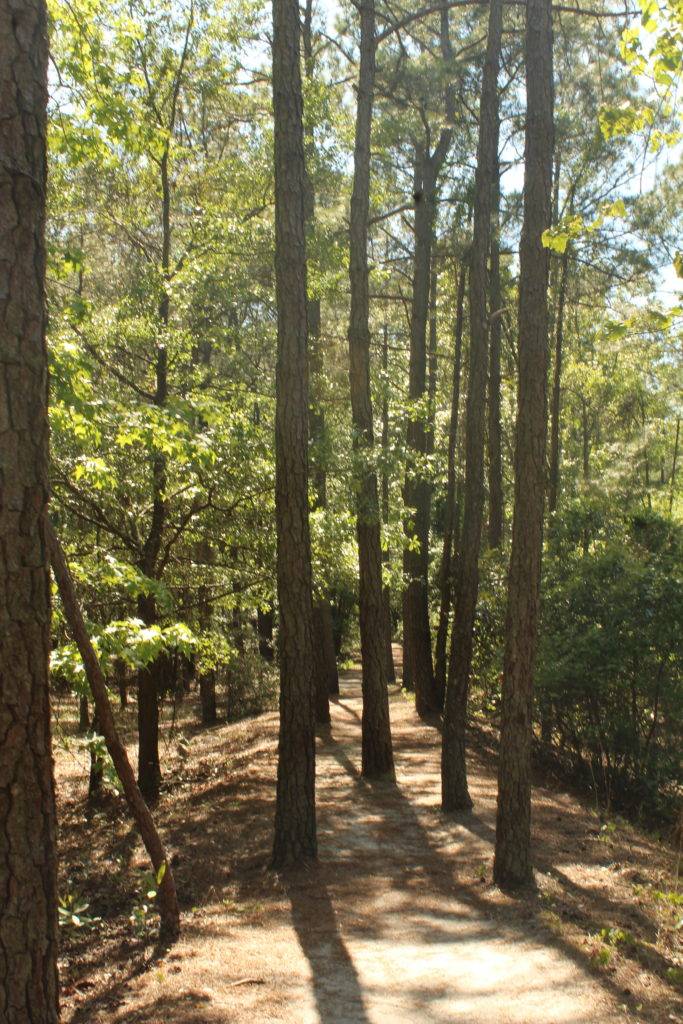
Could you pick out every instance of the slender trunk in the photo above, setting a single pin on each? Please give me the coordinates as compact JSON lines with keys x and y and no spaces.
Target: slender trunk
{"x":149,"y":679}
{"x":265,"y":633}
{"x":207,"y":676}
{"x":389,"y":654}
{"x":149,"y":769}
{"x":207,"y":697}
{"x":446,"y":568}
{"x":556,"y":400}
{"x":673,"y":465}
{"x":28,"y":882}
{"x":83,"y":715}
{"x":512,"y":864}
{"x":377,"y":755}
{"x":96,"y":774}
{"x":325,"y":665}
{"x":454,"y":791}
{"x":585,"y":442}
{"x":495,"y":460}
{"x":417,"y":487}
{"x":168,"y":900}
{"x":295,"y":827}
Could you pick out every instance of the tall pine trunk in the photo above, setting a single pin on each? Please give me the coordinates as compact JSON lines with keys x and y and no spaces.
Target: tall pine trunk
{"x":295,"y":827}
{"x":495,"y":460}
{"x":446,"y":567}
{"x":454,"y":790}
{"x":377,"y":755}
{"x":556,"y":401}
{"x":28,"y":904}
{"x":325,"y":666}
{"x":417,"y":489}
{"x":512,"y":865}
{"x":389,"y":654}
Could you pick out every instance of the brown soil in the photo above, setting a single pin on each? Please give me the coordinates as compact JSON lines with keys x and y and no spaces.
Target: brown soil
{"x":398,"y":922}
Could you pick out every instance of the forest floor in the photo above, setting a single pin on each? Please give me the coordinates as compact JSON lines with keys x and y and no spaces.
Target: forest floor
{"x":398,"y":922}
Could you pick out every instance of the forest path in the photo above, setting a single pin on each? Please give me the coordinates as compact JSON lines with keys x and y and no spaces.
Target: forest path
{"x":397,"y":923}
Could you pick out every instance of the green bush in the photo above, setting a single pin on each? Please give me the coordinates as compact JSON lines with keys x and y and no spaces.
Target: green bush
{"x":609,"y":687}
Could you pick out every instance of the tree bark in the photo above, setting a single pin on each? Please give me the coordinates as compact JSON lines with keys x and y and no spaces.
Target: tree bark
{"x":265,"y":633}
{"x":495,"y":460}
{"x":389,"y":654}
{"x":295,"y":826}
{"x":377,"y":755}
{"x":454,"y":790}
{"x":325,"y":665}
{"x":446,"y":568}
{"x":168,"y":899}
{"x":207,"y":697}
{"x":83,"y":715}
{"x":28,"y":884}
{"x":556,"y":401}
{"x":672,"y":482}
{"x":512,"y":865}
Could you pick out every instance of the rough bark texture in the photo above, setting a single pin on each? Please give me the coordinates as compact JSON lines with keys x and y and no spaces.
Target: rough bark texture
{"x":417,"y":489}
{"x":495,"y":460}
{"x":556,"y":402}
{"x":446,"y":568}
{"x":388,"y":629}
{"x":325,"y":666}
{"x":377,"y":756}
{"x":167,"y":899}
{"x":295,"y":827}
{"x":512,"y":865}
{"x":28,"y":889}
{"x":454,"y":791}
{"x":265,"y":634}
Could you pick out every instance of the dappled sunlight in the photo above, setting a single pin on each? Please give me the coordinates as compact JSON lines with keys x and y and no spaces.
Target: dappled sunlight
{"x":398,"y":920}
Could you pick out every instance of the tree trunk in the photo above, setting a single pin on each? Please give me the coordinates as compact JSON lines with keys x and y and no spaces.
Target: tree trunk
{"x":389,"y":654}
{"x":512,"y":865}
{"x":555,"y":407}
{"x":149,"y":677}
{"x":207,"y":697}
{"x":454,"y":792}
{"x":265,"y":633}
{"x":446,"y":568}
{"x":325,"y":664}
{"x":672,"y":482}
{"x":495,"y":461}
{"x":83,"y":715}
{"x":28,"y":905}
{"x":417,"y":490}
{"x":377,"y":755}
{"x":168,"y":899}
{"x":95,"y":780}
{"x":295,"y":826}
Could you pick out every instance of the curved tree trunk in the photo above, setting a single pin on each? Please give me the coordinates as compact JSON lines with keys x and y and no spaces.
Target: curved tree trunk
{"x":512,"y":865}
{"x":295,"y":827}
{"x":168,"y":899}
{"x":28,"y":884}
{"x":454,"y":791}
{"x":377,"y":755}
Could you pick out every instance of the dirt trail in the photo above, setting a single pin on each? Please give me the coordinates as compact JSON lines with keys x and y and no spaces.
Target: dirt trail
{"x":398,"y":924}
